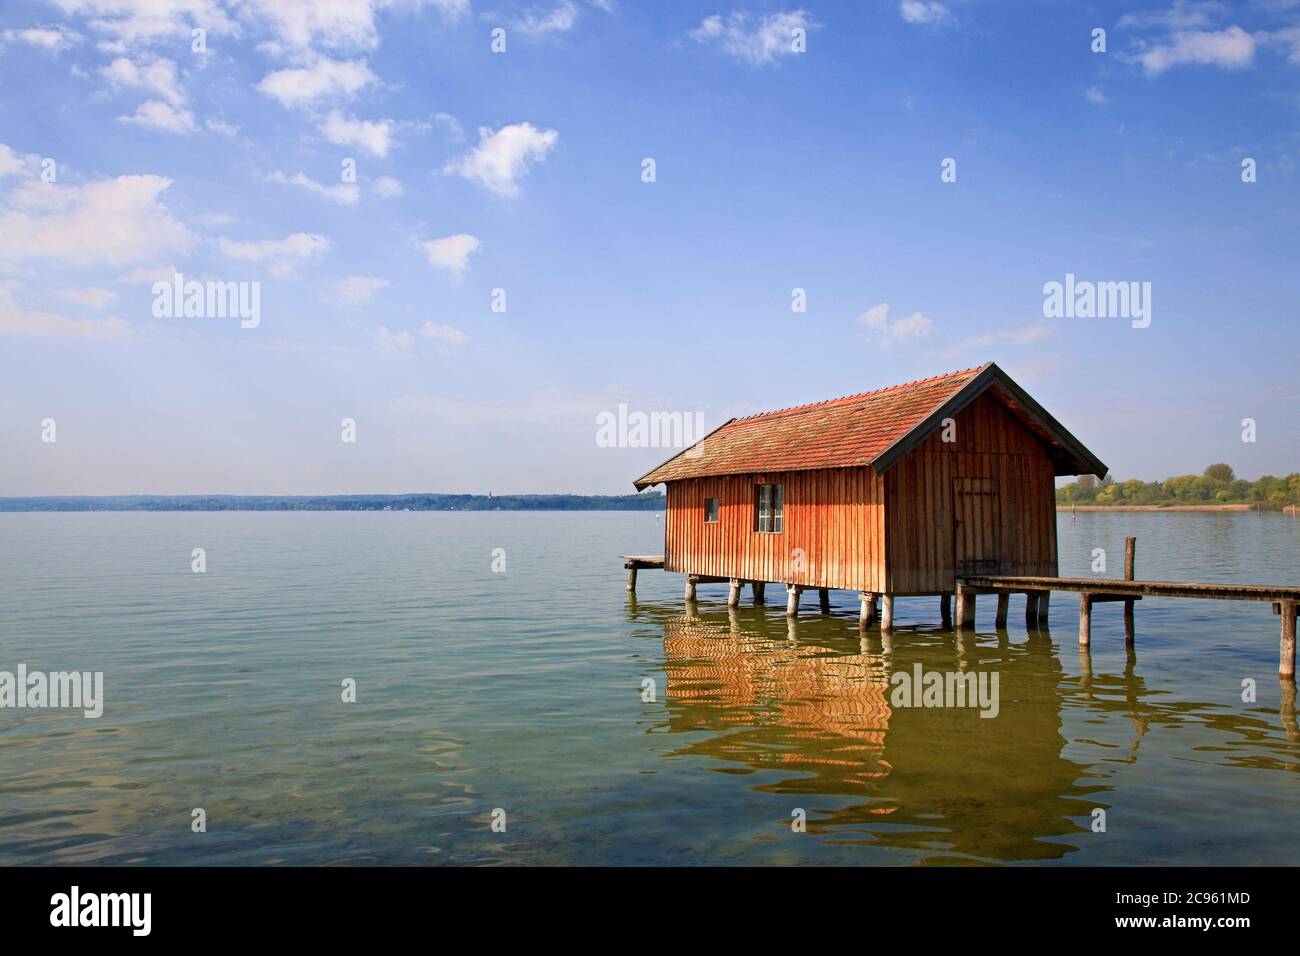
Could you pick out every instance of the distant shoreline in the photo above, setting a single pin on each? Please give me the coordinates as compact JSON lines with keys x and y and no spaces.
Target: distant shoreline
{"x":406,"y":502}
{"x":1289,"y":509}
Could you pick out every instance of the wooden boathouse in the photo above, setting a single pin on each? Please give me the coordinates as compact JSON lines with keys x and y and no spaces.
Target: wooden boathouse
{"x":897,"y":491}
{"x":942,"y":485}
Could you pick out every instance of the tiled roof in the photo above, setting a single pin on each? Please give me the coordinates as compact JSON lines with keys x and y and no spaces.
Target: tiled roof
{"x":838,"y":433}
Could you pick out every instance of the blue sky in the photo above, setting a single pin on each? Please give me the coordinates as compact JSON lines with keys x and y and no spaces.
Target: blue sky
{"x":522,"y":171}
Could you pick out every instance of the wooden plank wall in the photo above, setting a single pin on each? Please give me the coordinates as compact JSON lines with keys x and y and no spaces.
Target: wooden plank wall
{"x":836,"y":516}
{"x":991,"y":443}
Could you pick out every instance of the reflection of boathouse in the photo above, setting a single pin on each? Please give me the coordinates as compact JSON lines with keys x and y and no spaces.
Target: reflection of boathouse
{"x":815,"y":718}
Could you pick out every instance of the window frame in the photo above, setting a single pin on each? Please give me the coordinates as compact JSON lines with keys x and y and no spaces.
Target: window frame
{"x":769,"y":508}
{"x":716,"y":510}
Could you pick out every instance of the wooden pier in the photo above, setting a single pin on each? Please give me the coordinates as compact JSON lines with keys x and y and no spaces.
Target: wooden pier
{"x":1285,"y":601}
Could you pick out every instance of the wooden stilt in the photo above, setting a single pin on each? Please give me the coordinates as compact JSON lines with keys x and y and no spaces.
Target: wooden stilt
{"x":945,"y":610}
{"x":690,"y":587}
{"x":1130,"y":560}
{"x":824,"y":599}
{"x":887,"y":612}
{"x":1085,"y":620}
{"x":792,"y":592}
{"x":733,"y":595}
{"x":965,"y":607}
{"x":1286,"y":657}
{"x":868,"y":613}
{"x":1031,"y":609}
{"x":1004,"y":604}
{"x":1044,"y":603}
{"x":631,"y":580}
{"x":759,"y":589}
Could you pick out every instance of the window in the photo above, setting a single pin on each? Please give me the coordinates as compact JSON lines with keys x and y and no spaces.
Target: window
{"x":769,"y":508}
{"x":710,"y":510}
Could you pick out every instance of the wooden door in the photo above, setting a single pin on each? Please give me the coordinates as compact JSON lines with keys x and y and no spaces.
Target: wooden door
{"x":976,"y":530}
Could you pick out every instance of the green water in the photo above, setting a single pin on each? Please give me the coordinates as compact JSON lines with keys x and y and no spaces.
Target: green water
{"x":523,"y":691}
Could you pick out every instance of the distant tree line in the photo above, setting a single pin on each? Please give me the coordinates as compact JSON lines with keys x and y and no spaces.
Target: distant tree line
{"x":1218,"y":485}
{"x":648,"y":501}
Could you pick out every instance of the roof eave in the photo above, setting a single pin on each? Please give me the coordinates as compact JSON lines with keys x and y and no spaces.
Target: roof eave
{"x":648,"y":479}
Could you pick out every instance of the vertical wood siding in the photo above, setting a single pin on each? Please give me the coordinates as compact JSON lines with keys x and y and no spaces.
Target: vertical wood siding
{"x":1008,"y":511}
{"x":895,"y":533}
{"x":835,"y":516}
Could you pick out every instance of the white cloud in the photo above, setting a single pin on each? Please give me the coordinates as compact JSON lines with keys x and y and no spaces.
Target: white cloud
{"x":50,"y":39}
{"x":135,"y":22}
{"x":455,"y":131}
{"x":147,"y":275}
{"x":912,"y":326}
{"x":303,"y":86}
{"x":445,"y":334}
{"x":394,"y":341}
{"x":386,"y":187}
{"x":336,"y":24}
{"x":221,"y":128}
{"x":153,"y":74}
{"x":558,"y":19}
{"x":1095,"y":95}
{"x":1289,"y":37}
{"x":161,"y":116}
{"x":1231,"y":49}
{"x":10,"y":162}
{"x":758,"y":40}
{"x":451,"y":252}
{"x":501,"y":158}
{"x":345,"y":194}
{"x":282,"y":254}
{"x":924,"y":11}
{"x":1181,"y":15}
{"x":375,"y":137}
{"x":117,"y":222}
{"x":1022,"y":335}
{"x":358,"y":290}
{"x":92,"y":298}
{"x":16,"y":320}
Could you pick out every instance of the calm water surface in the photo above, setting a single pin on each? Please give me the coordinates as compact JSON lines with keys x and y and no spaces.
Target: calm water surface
{"x":523,"y":691}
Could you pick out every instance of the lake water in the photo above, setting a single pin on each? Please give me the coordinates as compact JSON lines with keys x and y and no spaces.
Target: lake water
{"x":478,"y":690}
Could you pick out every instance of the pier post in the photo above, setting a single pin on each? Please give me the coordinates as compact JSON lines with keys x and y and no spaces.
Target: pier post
{"x":887,"y":612}
{"x":1004,"y":604}
{"x":965,"y":607}
{"x":631,"y":578}
{"x":733,"y":595}
{"x":1286,"y":657}
{"x":824,"y":599}
{"x":1085,"y":620}
{"x":759,"y":588}
{"x":1031,"y":609}
{"x":945,"y":610}
{"x":691,"y":581}
{"x":1044,"y":603}
{"x":792,"y":592}
{"x":868,"y":613}
{"x":1130,"y":557}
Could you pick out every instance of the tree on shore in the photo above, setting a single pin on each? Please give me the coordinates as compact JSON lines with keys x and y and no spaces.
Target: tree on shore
{"x":1217,"y":485}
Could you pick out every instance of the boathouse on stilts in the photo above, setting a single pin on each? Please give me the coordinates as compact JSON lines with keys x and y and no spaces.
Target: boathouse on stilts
{"x":898,"y":491}
{"x":940,"y":486}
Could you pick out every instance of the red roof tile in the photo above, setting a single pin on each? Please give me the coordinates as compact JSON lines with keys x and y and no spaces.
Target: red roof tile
{"x":838,"y":433}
